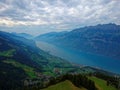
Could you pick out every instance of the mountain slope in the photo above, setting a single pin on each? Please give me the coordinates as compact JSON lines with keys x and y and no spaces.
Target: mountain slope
{"x":25,"y":35}
{"x":101,"y":39}
{"x":66,"y":85}
{"x":101,"y":84}
{"x":23,"y":64}
{"x":21,"y":59}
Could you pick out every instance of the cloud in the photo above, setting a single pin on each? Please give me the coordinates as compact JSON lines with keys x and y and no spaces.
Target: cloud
{"x":64,"y":14}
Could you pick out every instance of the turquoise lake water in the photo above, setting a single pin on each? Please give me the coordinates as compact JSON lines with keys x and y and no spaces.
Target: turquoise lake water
{"x":83,"y":58}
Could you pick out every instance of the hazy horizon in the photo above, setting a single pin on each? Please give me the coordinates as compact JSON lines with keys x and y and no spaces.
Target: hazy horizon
{"x":38,"y":17}
{"x":11,"y":30}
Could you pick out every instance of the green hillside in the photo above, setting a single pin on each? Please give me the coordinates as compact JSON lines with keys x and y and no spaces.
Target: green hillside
{"x":27,"y":54}
{"x":28,"y":70}
{"x":23,"y":64}
{"x":21,"y":55}
{"x":66,"y":85}
{"x":8,"y":53}
{"x":101,"y":84}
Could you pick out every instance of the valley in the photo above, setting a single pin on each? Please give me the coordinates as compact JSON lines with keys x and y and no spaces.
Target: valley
{"x":34,"y":64}
{"x":59,"y":44}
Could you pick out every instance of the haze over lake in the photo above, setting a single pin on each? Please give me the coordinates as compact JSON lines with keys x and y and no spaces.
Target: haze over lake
{"x":83,"y":58}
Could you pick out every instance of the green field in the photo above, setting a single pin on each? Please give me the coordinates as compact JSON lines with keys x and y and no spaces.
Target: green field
{"x":8,"y":53}
{"x":28,"y":70}
{"x":66,"y":85}
{"x":101,"y":84}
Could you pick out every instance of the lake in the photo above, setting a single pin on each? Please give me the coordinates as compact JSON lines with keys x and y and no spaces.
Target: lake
{"x":82,"y":58}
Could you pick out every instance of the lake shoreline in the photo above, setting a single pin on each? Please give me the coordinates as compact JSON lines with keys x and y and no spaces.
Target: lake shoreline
{"x":82,"y":58}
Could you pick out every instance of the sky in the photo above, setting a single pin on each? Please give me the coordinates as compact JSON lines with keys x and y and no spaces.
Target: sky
{"x":41,"y":16}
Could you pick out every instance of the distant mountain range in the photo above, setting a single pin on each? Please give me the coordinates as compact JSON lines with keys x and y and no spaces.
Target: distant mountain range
{"x":102,"y":39}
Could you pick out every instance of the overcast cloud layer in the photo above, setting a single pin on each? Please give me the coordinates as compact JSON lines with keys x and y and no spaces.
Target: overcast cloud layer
{"x":56,"y":15}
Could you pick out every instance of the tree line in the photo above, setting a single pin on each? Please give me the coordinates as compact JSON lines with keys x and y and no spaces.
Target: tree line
{"x":77,"y":79}
{"x":111,"y":80}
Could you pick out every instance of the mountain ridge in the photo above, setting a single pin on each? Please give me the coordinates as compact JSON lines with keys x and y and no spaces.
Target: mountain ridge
{"x":101,"y":39}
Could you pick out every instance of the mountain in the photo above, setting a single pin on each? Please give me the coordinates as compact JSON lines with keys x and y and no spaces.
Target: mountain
{"x":25,"y":35}
{"x":21,"y":60}
{"x":65,"y":85}
{"x":24,"y":66}
{"x":102,"y":39}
